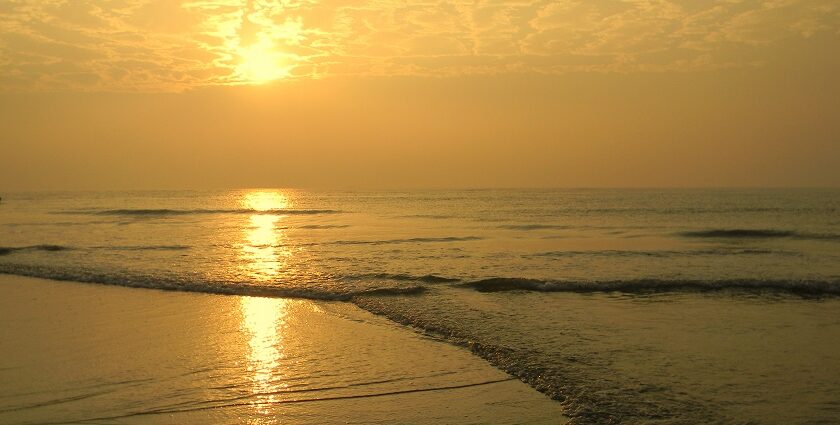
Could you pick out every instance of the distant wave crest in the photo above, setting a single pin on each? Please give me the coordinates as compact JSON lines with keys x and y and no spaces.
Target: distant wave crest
{"x":757,"y":234}
{"x":535,"y":226}
{"x":144,"y":247}
{"x":5,"y":250}
{"x":614,"y":253}
{"x":163,"y":212}
{"x":410,"y":240}
{"x":428,"y":216}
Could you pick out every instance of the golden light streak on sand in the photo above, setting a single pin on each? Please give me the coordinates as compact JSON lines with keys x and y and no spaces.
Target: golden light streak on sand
{"x":263,"y":320}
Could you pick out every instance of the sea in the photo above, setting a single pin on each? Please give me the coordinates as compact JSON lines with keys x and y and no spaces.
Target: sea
{"x":665,"y":306}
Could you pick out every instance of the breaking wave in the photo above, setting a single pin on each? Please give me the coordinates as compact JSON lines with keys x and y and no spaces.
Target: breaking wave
{"x":345,"y":287}
{"x":170,"y":283}
{"x":803,"y":287}
{"x":429,"y":278}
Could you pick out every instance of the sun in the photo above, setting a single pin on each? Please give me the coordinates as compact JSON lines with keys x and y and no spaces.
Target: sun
{"x":261,"y":63}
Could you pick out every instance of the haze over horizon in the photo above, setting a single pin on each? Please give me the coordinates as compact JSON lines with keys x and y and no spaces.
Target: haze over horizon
{"x":135,"y":94}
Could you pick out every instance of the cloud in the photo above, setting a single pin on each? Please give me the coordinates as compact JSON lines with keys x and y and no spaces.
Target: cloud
{"x":161,"y":45}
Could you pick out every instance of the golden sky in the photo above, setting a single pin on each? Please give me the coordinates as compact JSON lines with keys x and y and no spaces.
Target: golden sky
{"x":384,"y":93}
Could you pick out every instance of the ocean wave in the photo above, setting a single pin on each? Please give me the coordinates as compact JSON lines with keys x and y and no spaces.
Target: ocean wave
{"x":55,"y":248}
{"x":694,"y":210}
{"x":410,"y":240}
{"x":429,"y":278}
{"x":144,"y":247}
{"x":428,"y":216}
{"x":6,"y":250}
{"x":802,"y":287}
{"x":757,"y":234}
{"x":170,"y":283}
{"x":660,"y":254}
{"x":411,"y":290}
{"x":57,"y":223}
{"x":533,"y":226}
{"x":162,"y":212}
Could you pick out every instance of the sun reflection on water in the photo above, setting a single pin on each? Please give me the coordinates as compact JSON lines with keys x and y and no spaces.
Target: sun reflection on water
{"x":265,"y":200}
{"x":263,"y":320}
{"x":262,"y":250}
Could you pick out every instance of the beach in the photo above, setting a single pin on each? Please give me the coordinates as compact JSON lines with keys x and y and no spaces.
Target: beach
{"x":82,"y":353}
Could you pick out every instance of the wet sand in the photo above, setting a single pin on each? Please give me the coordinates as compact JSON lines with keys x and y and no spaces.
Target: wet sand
{"x":73,"y":353}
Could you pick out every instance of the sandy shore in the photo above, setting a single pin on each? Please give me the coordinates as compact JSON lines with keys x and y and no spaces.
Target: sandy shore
{"x":74,"y":353}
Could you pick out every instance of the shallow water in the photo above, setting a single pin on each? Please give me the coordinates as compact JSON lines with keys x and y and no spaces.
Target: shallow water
{"x":79,"y":353}
{"x":671,"y":306}
{"x":727,"y":357}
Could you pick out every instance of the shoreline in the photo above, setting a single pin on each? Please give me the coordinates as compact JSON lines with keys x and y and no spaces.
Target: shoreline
{"x":78,"y":352}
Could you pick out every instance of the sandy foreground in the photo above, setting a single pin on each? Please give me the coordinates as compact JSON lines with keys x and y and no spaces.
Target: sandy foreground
{"x":81,"y":353}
